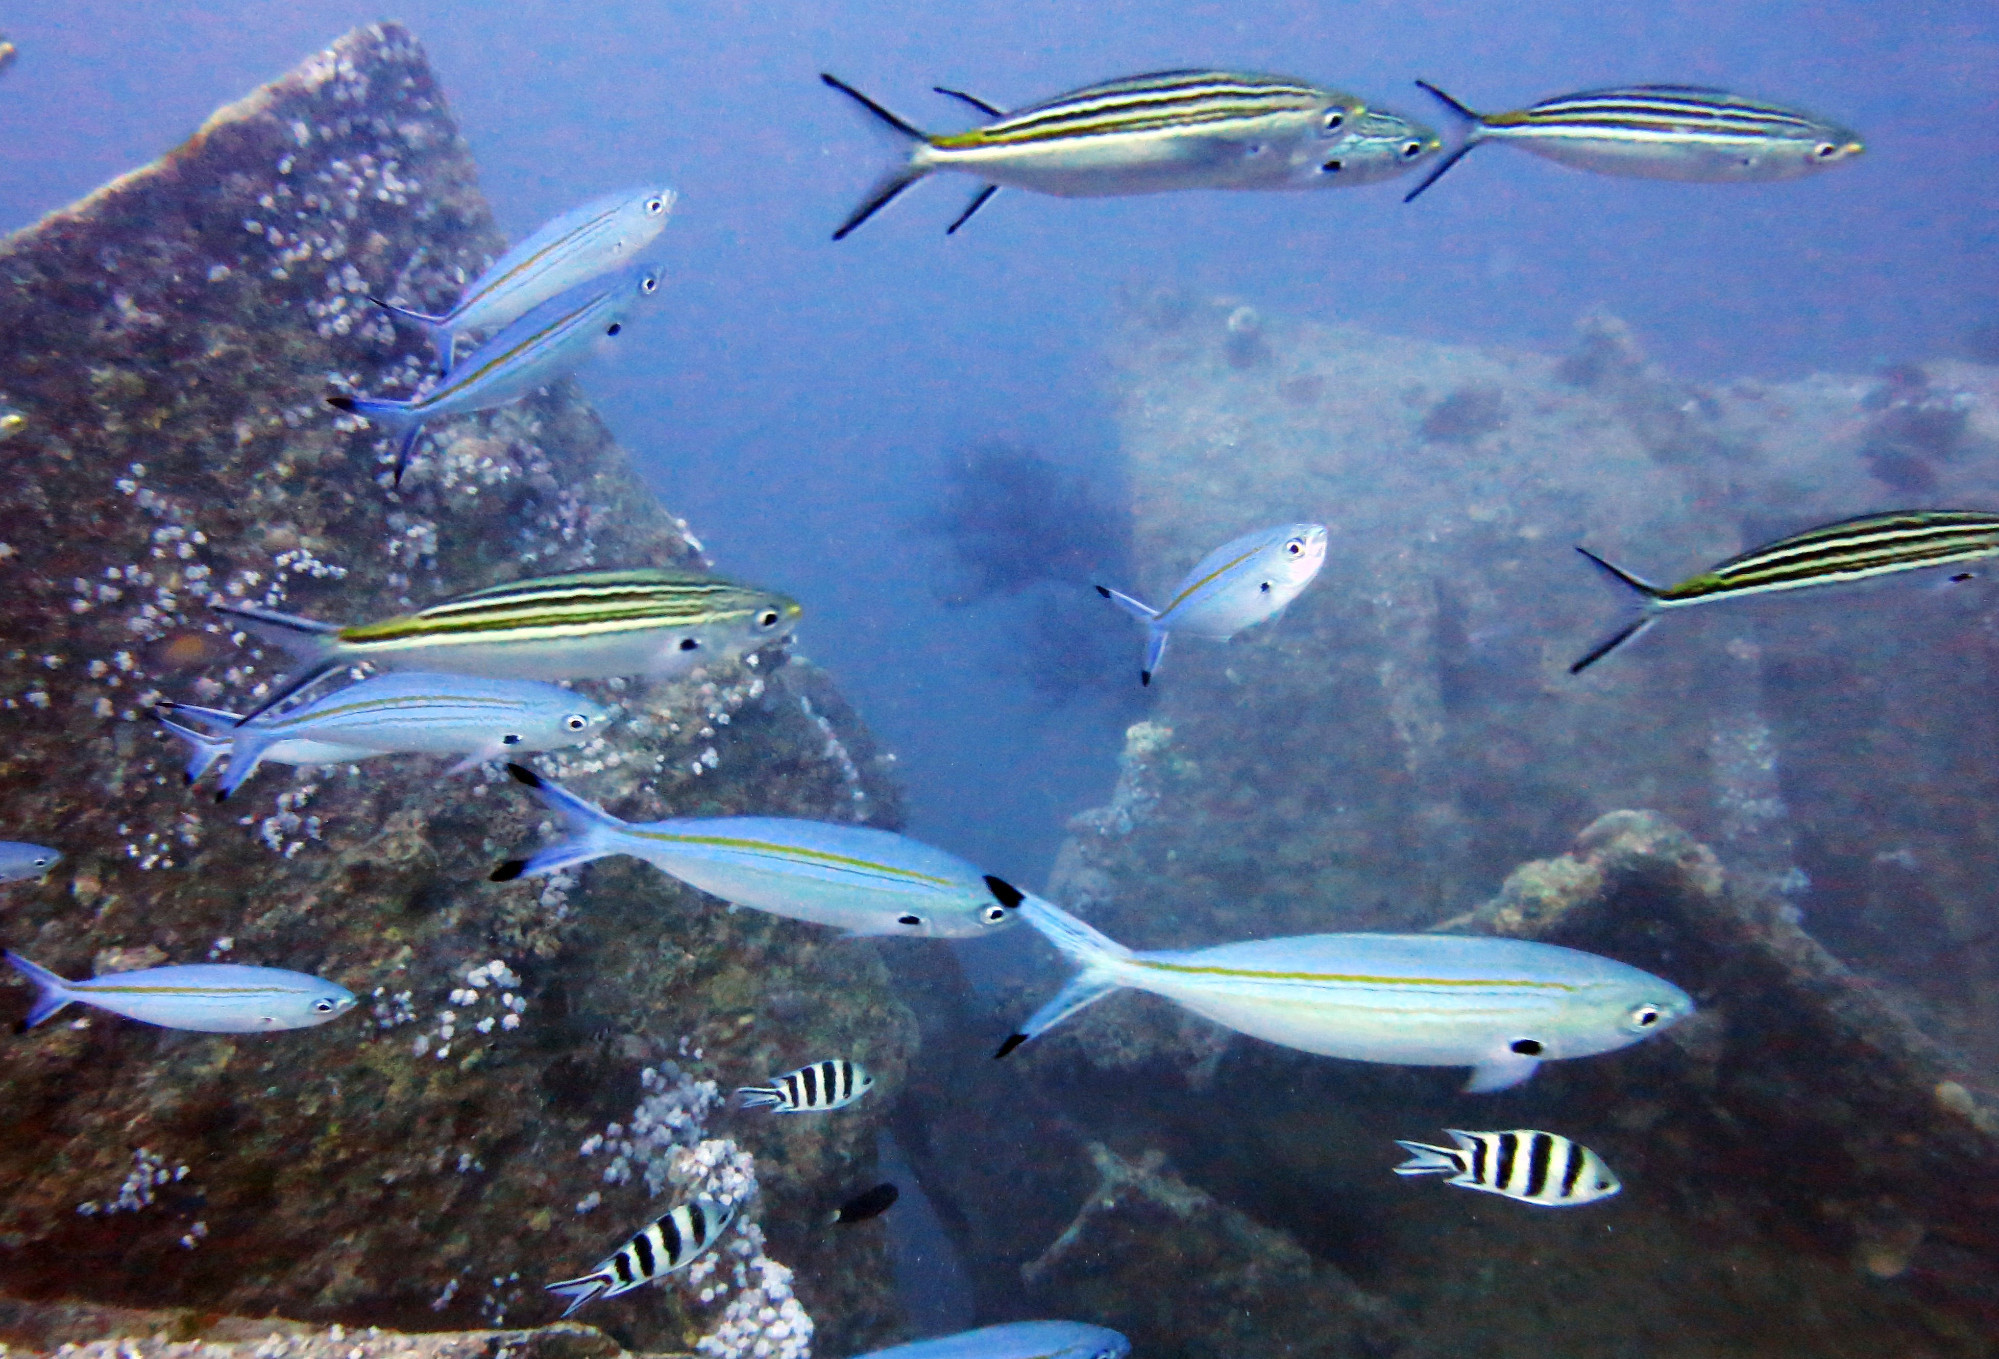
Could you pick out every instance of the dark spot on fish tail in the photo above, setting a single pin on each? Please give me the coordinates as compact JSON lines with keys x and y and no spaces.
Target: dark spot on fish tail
{"x":1013,"y":1040}
{"x":508,"y":871}
{"x":341,"y":403}
{"x":1145,"y":677}
{"x":1104,"y":592}
{"x":1540,"y":1145}
{"x":1005,"y":893}
{"x":221,"y":794}
{"x":642,"y":1247}
{"x":522,"y":774}
{"x":689,"y":644}
{"x":1526,"y":1047}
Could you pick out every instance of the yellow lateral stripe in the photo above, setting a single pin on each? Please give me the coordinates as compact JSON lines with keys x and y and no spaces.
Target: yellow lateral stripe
{"x":96,"y":990}
{"x":1230,"y":566}
{"x":787,"y":851}
{"x":1355,"y":980}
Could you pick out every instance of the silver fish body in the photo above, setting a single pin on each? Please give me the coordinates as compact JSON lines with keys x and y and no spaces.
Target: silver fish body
{"x":1239,"y":584}
{"x":200,"y":997}
{"x":816,"y":1089}
{"x":856,"y":878}
{"x":1498,"y":1006}
{"x":1539,"y":1168}
{"x":1016,"y":1340}
{"x":1382,"y":146}
{"x":671,"y":1243}
{"x":12,"y":420}
{"x":20,"y":861}
{"x":658,"y":622}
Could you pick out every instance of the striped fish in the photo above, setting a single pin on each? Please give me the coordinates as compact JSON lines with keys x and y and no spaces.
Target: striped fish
{"x":20,"y":861}
{"x":815,"y":1089}
{"x":411,"y":713}
{"x":1531,"y":1167}
{"x":604,"y":235}
{"x":863,"y":880}
{"x":656,"y":621}
{"x":1016,"y":1340}
{"x":1381,"y":146}
{"x":1682,"y":132}
{"x":1145,"y":134}
{"x":1842,"y":553}
{"x":1239,"y":584}
{"x":1499,"y":1006}
{"x":672,"y":1243}
{"x":533,"y":351}
{"x":200,"y":997}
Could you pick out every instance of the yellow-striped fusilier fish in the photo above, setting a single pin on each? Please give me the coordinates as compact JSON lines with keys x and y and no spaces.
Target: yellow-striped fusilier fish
{"x":1016,"y":1340}
{"x":1499,"y":1006}
{"x":654,"y":621}
{"x":604,"y":235}
{"x":202,"y":997}
{"x":1524,"y":1165}
{"x":1239,"y":584}
{"x":1145,"y":134}
{"x":1661,"y":132}
{"x":533,"y":351}
{"x":860,"y":879}
{"x":674,"y":1242}
{"x":1843,"y":553}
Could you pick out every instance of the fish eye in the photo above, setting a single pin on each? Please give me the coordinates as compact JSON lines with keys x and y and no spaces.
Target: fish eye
{"x":1825,"y":150}
{"x":689,"y":644}
{"x":1645,"y":1016}
{"x":1295,"y":548}
{"x":655,"y":206}
{"x":325,"y":1007}
{"x":767,"y":619}
{"x":512,"y":738}
{"x":1335,"y":119}
{"x":910,"y":920}
{"x":993,"y":914}
{"x":41,"y":861}
{"x":1526,"y":1047}
{"x":1411,"y":150}
{"x":576,"y":721}
{"x":649,"y":284}
{"x":613,"y":328}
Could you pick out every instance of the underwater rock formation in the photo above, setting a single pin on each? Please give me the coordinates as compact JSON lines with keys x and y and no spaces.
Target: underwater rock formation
{"x":534,"y":1069}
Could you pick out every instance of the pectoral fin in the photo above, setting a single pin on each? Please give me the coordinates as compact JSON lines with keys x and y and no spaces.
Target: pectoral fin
{"x":1500,"y":1073}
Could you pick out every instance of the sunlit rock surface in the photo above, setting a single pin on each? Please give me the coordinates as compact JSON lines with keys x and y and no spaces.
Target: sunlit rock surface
{"x":417,"y":1163}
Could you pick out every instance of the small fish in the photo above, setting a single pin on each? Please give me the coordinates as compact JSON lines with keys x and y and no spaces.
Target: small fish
{"x":199,"y":997}
{"x":20,"y":861}
{"x":7,"y":53}
{"x":1683,"y":132}
{"x":672,"y":1243}
{"x":531,"y":352}
{"x":869,"y":1203}
{"x":12,"y":418}
{"x":405,"y":713}
{"x":1016,"y":1340}
{"x":857,"y":878}
{"x":815,"y":1089}
{"x":1531,"y":1167}
{"x":1382,"y":146}
{"x":1499,"y":1006}
{"x":657,"y":622}
{"x":1842,"y":553}
{"x":604,"y":235}
{"x":1146,"y":134}
{"x":1240,"y":583}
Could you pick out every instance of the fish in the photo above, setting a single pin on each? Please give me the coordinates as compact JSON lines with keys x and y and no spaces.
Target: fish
{"x":814,"y":1089}
{"x":1381,"y":146}
{"x":1541,"y":1168}
{"x":857,"y":878}
{"x":1499,"y":1006}
{"x":1847,"y":552}
{"x":12,"y":418}
{"x":401,"y":713}
{"x":653,"y":621}
{"x":198,"y":997}
{"x":1016,"y":1340}
{"x":671,"y":1243}
{"x":532,"y":351}
{"x":1240,"y":583}
{"x":7,"y":53}
{"x":866,"y":1204}
{"x":1151,"y":133}
{"x":20,"y":861}
{"x":1683,"y":132}
{"x":601,"y":237}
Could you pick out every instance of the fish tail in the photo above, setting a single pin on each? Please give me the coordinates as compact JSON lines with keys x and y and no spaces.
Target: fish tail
{"x":1474,"y":134}
{"x":316,"y":643}
{"x":204,"y":747}
{"x":245,"y":753}
{"x":1155,"y":652}
{"x":908,"y":136}
{"x":436,"y":327}
{"x":393,"y":416}
{"x":1623,"y":577}
{"x":1470,"y":115}
{"x":1155,"y":642}
{"x":1425,"y":1159}
{"x":758,"y":1097}
{"x":587,"y":822}
{"x":1143,"y":612}
{"x":1089,"y":948}
{"x":579,"y":1291}
{"x":1651,"y":594}
{"x":52,"y":992}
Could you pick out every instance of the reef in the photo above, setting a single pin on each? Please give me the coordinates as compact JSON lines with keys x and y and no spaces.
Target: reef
{"x":536,"y":1068}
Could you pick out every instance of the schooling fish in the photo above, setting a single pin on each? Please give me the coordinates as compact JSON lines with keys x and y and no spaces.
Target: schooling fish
{"x":12,"y":420}
{"x":1381,"y":146}
{"x":202,"y":997}
{"x":1680,"y":132}
{"x":1533,"y":1167}
{"x":1016,"y":1340}
{"x":1238,"y":584}
{"x":860,"y":879}
{"x":533,"y":351}
{"x":1841,"y":553}
{"x":1499,"y":1006}
{"x":584,"y":244}
{"x":815,"y":1089}
{"x":20,"y":861}
{"x":7,"y":53}
{"x":672,"y":1243}
{"x":655,"y":621}
{"x":409,"y":713}
{"x":869,"y":1203}
{"x":1146,"y":134}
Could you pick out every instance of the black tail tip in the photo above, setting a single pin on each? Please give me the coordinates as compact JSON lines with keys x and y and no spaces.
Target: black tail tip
{"x":341,"y":403}
{"x":1013,"y":1040}
{"x":221,"y":794}
{"x":508,"y":871}
{"x":520,"y":773}
{"x":1004,"y":892}
{"x":1145,"y":678}
{"x":1104,"y":591}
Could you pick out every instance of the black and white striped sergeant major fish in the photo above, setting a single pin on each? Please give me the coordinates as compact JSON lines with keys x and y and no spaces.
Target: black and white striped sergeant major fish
{"x":672,"y":1243}
{"x":655,"y":621}
{"x":1144,"y":134}
{"x":1842,"y":553}
{"x":1540,"y":1168}
{"x":815,"y":1089}
{"x":1683,"y":132}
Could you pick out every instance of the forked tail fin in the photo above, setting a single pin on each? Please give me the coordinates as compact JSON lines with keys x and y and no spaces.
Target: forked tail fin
{"x":392,"y":416}
{"x":587,"y":824}
{"x":1474,"y":134}
{"x":316,"y":643}
{"x":52,"y":992}
{"x":579,"y":1291}
{"x":1089,"y":948}
{"x":1630,"y":630}
{"x":907,"y":137}
{"x":1425,"y":1159}
{"x":758,"y":1097}
{"x":200,"y":729}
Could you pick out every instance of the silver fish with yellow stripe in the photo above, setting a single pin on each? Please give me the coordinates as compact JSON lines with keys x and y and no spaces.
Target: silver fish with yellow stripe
{"x":1541,"y":1168}
{"x":860,"y":879}
{"x":202,"y":997}
{"x":1381,"y":146}
{"x":1499,"y":1006}
{"x":653,"y":621}
{"x":1016,"y":1340}
{"x":672,"y":1243}
{"x":1683,"y":132}
{"x":1848,"y":552}
{"x":1155,"y":133}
